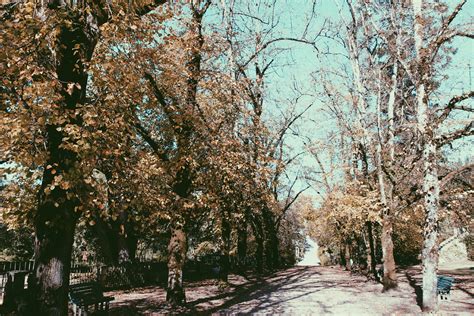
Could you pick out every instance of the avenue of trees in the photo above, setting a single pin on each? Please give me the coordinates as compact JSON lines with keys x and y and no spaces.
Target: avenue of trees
{"x":137,"y":122}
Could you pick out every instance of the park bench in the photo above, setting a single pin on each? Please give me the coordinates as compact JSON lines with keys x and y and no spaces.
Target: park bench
{"x":444,"y":286}
{"x":85,"y":295}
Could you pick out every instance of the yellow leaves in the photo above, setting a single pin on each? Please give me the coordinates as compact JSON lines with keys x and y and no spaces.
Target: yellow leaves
{"x":65,"y":185}
{"x":57,"y":179}
{"x":28,"y":10}
{"x":71,"y":86}
{"x":188,"y":205}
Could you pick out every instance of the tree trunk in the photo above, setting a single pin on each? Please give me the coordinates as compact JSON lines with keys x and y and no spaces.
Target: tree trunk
{"x":391,"y":113}
{"x":430,"y":241}
{"x":430,"y":172}
{"x":104,"y":235}
{"x":347,"y":255}
{"x":389,"y":274}
{"x":259,"y":254}
{"x":224,"y":257}
{"x":126,"y":241}
{"x":242,"y":248}
{"x":55,"y":219}
{"x":271,"y":241}
{"x":116,"y":240}
{"x":342,"y":258}
{"x":371,"y":260}
{"x":54,"y":229}
{"x":259,"y":239}
{"x":177,"y":248}
{"x":375,"y":233}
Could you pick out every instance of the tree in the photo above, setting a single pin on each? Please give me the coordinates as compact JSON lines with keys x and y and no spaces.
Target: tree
{"x":422,"y":74}
{"x":60,"y":40}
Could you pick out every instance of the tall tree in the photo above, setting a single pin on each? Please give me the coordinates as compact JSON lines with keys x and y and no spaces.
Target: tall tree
{"x":71,"y":46}
{"x":427,"y":49}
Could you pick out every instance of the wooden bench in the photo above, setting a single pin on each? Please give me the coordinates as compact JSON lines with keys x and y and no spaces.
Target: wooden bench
{"x":85,"y":295}
{"x":444,"y":286}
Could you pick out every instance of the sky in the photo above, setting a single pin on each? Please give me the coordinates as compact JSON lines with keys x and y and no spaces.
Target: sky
{"x":303,"y":61}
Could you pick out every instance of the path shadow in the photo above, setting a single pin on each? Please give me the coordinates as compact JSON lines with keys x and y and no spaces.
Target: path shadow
{"x":254,"y":289}
{"x":248,"y":296}
{"x":417,"y":287}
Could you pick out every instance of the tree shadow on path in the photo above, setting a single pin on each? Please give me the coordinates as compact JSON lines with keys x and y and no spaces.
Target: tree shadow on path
{"x":415,"y":283}
{"x":255,"y":289}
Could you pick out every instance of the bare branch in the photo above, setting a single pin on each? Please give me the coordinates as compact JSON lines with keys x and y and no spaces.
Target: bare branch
{"x":447,"y":178}
{"x":468,"y":130}
{"x":435,"y":45}
{"x":150,"y":141}
{"x":275,"y":40}
{"x":288,"y":205}
{"x":452,"y":106}
{"x":441,"y":38}
{"x":148,"y":6}
{"x":274,"y":144}
{"x":251,"y":16}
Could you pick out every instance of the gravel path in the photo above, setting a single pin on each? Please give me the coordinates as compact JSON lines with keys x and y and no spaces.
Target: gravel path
{"x":296,"y":291}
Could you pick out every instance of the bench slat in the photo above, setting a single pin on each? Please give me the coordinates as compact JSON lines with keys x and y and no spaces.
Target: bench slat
{"x":86,"y":294}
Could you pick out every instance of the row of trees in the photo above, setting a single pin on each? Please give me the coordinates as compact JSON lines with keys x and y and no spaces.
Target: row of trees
{"x":141,"y":119}
{"x":157,"y":119}
{"x":396,"y":115}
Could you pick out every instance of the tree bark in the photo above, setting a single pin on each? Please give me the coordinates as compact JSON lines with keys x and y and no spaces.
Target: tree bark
{"x":430,"y":172}
{"x":272,"y":254}
{"x":259,"y":239}
{"x":371,"y":260}
{"x":224,"y":257}
{"x":56,"y":217}
{"x":177,"y":248}
{"x":242,"y":248}
{"x":430,"y":229}
{"x":116,"y":239}
{"x":347,"y":255}
{"x":389,"y":273}
{"x":54,"y":230}
{"x":342,"y":258}
{"x":126,"y":241}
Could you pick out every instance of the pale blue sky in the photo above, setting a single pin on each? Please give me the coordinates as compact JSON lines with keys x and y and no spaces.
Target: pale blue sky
{"x":303,"y":61}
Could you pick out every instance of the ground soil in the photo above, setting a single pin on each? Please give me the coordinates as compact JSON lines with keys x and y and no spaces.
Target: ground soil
{"x":302,"y":291}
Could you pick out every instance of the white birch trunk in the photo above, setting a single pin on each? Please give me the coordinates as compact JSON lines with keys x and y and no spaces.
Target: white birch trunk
{"x":430,"y":175}
{"x":361,"y":134}
{"x":390,"y":113}
{"x":361,"y":105}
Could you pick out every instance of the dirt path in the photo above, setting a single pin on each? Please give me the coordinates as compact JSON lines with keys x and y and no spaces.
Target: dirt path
{"x":296,"y":291}
{"x":318,"y":290}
